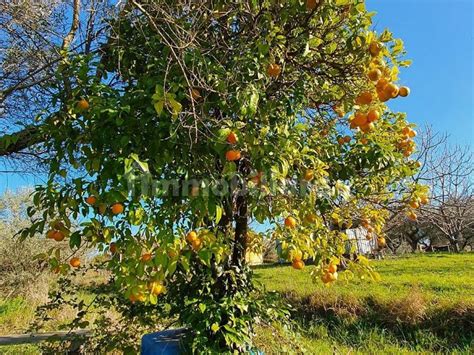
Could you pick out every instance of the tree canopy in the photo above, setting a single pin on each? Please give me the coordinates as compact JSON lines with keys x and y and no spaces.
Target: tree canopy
{"x":195,"y":118}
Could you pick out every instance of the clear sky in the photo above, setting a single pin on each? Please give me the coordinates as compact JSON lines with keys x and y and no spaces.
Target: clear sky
{"x":438,"y":35}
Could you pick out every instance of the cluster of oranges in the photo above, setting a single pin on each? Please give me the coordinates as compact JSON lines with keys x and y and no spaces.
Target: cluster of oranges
{"x":406,"y":144}
{"x":366,"y":223}
{"x":383,"y":90}
{"x":116,"y":208}
{"x":330,"y":274}
{"x":416,"y":203}
{"x":233,"y":154}
{"x":194,"y":240}
{"x":56,"y":234}
{"x":155,"y":288}
{"x":343,"y":140}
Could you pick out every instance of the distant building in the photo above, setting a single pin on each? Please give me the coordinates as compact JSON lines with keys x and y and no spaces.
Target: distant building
{"x":357,"y":238}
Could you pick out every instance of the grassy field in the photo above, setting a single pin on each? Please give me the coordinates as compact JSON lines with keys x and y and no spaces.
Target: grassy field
{"x":423,"y":304}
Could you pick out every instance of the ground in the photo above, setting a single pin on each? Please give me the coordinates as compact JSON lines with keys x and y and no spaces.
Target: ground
{"x":423,"y":304}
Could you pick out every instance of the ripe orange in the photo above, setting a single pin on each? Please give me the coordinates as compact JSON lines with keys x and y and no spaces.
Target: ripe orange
{"x":364,"y":141}
{"x":381,"y":242}
{"x":364,"y":222}
{"x":290,"y":222}
{"x":91,"y":200}
{"x":195,"y":94}
{"x":381,"y":84}
{"x":359,"y":119}
{"x":113,"y":248}
{"x":308,"y":175}
{"x":75,"y":262}
{"x":373,"y":115}
{"x":232,"y":138}
{"x":83,"y":105}
{"x":424,"y":200}
{"x":332,"y":276}
{"x":156,"y":288}
{"x":347,"y":139}
{"x":58,"y":236}
{"x":375,"y":48}
{"x":414,"y":204}
{"x":364,"y":99}
{"x":191,"y":237}
{"x":412,"y":216}
{"x":141,"y":297}
{"x":146,"y":257}
{"x":370,"y":229}
{"x":412,"y":133}
{"x":383,"y":96}
{"x":326,"y":278}
{"x":367,"y":127}
{"x":332,"y":268}
{"x":391,"y":90}
{"x":297,"y":264}
{"x":196,"y":244}
{"x":232,"y":155}
{"x":311,"y":4}
{"x":404,"y":91}
{"x":50,"y":234}
{"x":406,"y":130}
{"x":340,"y":141}
{"x":273,"y":70}
{"x":374,"y":74}
{"x":117,"y":208}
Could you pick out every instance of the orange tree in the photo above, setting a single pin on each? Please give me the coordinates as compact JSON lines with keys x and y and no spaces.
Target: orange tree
{"x":195,"y":118}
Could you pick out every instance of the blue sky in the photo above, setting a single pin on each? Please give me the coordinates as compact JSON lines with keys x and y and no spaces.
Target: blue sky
{"x":438,"y":35}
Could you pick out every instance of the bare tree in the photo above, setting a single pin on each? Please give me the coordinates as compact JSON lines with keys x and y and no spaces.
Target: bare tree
{"x":448,"y":171}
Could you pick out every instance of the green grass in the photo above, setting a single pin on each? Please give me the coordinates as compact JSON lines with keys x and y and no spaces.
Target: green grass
{"x":359,"y":317}
{"x":423,"y":304}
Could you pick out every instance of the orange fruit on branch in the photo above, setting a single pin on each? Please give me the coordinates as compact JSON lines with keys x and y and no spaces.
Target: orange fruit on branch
{"x":332,"y":268}
{"x":146,"y":257}
{"x":58,"y":236}
{"x":404,"y":91}
{"x":117,"y":208}
{"x":91,"y":200}
{"x":191,"y":236}
{"x":273,"y":70}
{"x":232,"y":155}
{"x":391,"y":90}
{"x":375,"y":48}
{"x":308,"y":175}
{"x":364,"y":98}
{"x":373,"y":115}
{"x":232,"y":138}
{"x":311,"y":4}
{"x":196,"y":244}
{"x":75,"y":262}
{"x":290,"y":222}
{"x":374,"y":74}
{"x":297,"y":264}
{"x":83,"y":105}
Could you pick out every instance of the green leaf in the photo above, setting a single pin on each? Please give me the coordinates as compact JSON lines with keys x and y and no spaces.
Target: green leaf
{"x":202,"y":307}
{"x":218,"y":213}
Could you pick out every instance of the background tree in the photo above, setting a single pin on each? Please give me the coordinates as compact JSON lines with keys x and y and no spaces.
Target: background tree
{"x":449,"y":174}
{"x":280,"y":103}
